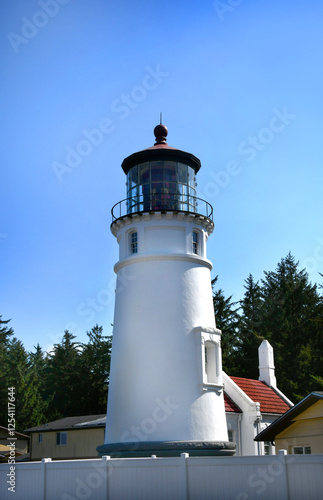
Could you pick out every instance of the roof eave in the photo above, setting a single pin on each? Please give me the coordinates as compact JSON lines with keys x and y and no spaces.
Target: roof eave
{"x":283,"y":422}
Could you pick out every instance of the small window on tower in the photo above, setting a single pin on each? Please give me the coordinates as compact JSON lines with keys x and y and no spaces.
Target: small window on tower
{"x":195,"y":242}
{"x":210,"y":362}
{"x":134,"y":242}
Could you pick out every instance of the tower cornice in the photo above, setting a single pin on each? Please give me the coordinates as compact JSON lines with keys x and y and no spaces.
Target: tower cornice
{"x":202,"y":220}
{"x":161,"y":152}
{"x":162,"y":256}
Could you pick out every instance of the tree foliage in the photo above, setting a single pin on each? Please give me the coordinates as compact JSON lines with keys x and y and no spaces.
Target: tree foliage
{"x":227,"y":321}
{"x":71,"y":380}
{"x":287,"y":310}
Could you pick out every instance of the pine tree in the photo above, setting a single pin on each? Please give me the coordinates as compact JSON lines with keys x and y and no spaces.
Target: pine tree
{"x":16,"y":372}
{"x":291,"y":321}
{"x":6,"y":378}
{"x":95,"y":369}
{"x":250,"y":319}
{"x":63,"y":378}
{"x":226,"y":318}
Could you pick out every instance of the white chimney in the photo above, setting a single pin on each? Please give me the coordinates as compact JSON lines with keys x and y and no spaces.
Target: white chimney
{"x":266,"y":364}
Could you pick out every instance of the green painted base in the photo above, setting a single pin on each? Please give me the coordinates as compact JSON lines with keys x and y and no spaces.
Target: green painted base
{"x":167,"y":449}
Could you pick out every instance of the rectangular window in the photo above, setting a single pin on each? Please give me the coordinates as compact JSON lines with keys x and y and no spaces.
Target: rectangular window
{"x":61,"y":438}
{"x":134,"y":242}
{"x":40,"y":437}
{"x":267,"y":448}
{"x":210,"y":362}
{"x":230,"y":435}
{"x":195,"y":242}
{"x":302,"y":450}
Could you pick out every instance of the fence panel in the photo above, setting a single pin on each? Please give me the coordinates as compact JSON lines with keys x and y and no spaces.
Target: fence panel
{"x":240,"y":479}
{"x":277,"y":477}
{"x":144,"y":479}
{"x":305,"y":476}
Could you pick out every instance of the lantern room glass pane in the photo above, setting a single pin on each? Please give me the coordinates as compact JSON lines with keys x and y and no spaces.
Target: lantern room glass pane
{"x":161,"y":185}
{"x":182,"y":173}
{"x":191,"y":177}
{"x":133,"y":177}
{"x":144,"y":173}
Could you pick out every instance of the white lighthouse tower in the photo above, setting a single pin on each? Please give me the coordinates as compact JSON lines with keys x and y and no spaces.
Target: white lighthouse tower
{"x":166,"y":390}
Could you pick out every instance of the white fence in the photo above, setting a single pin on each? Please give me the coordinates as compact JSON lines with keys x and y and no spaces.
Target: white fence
{"x":278,"y":477}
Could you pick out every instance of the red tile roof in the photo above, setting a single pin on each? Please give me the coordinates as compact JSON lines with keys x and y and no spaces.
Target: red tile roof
{"x":230,"y":405}
{"x":258,"y":391}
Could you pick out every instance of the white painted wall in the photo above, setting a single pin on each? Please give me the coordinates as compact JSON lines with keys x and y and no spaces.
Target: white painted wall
{"x":163,"y":306}
{"x":251,"y":419}
{"x":266,"y":364}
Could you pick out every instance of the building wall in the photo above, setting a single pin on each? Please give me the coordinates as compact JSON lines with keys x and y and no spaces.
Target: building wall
{"x":81,"y":443}
{"x":245,"y":444}
{"x":234,"y":426}
{"x":20,"y":444}
{"x":307,"y":430}
{"x":251,"y":418}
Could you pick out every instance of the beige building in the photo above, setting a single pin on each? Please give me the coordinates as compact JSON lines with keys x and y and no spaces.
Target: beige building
{"x":21,"y":445}
{"x":300,"y":430}
{"x":71,"y":437}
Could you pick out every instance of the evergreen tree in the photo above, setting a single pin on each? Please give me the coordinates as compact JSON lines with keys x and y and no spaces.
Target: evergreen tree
{"x":6,"y":378}
{"x":95,"y":369}
{"x":250,"y":319}
{"x":292,"y":314}
{"x":63,"y":378}
{"x":226,"y":319}
{"x":37,"y":361}
{"x":37,"y":375}
{"x":16,"y":373}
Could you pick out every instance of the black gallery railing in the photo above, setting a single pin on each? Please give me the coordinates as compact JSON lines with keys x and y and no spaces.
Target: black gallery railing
{"x":161,"y":203}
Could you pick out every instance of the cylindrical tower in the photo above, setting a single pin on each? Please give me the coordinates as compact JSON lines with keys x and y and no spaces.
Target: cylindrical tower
{"x":165,"y":391}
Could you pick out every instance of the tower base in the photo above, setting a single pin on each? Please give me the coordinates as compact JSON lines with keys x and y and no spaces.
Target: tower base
{"x":167,"y":449}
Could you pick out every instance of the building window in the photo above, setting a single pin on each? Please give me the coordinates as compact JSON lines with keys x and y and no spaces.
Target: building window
{"x":210,"y":362}
{"x":195,"y":242}
{"x":230,"y":435}
{"x":267,"y":448}
{"x":61,"y":438}
{"x":302,"y":450}
{"x":40,"y":437}
{"x":134,"y":242}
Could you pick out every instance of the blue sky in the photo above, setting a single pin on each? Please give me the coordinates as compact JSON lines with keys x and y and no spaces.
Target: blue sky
{"x":240,"y":87}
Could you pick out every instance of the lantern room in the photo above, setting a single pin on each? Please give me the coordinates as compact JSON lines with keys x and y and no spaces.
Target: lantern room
{"x":161,"y":179}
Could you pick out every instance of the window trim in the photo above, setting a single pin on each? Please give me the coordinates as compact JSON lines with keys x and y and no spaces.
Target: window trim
{"x":40,"y":438}
{"x":211,"y":336}
{"x":210,"y":361}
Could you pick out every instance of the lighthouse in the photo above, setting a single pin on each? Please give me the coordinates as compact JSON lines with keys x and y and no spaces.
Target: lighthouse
{"x":166,"y":389}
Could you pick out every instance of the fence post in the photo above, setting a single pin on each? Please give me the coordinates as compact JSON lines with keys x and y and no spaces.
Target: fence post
{"x":282,"y":458}
{"x":43,"y":465}
{"x":184,"y":495}
{"x":106,"y":459}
